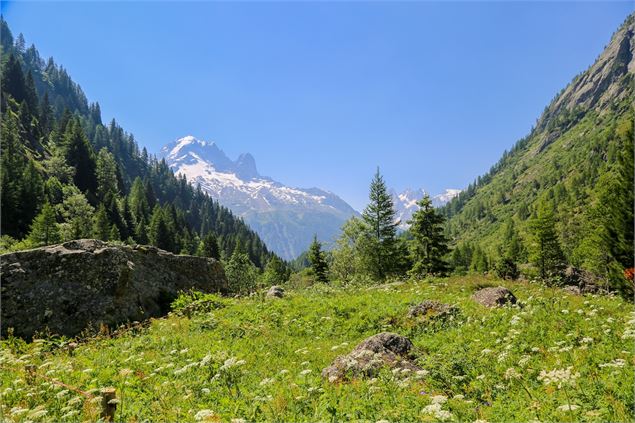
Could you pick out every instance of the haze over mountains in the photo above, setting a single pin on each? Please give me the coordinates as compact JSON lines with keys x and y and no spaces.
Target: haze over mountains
{"x":285,"y":217}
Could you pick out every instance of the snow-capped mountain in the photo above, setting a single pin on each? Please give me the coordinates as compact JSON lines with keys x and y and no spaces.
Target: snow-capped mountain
{"x":285,"y":218}
{"x":406,"y":202}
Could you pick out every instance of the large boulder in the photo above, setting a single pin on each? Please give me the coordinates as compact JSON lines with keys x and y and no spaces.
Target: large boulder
{"x":382,"y":350}
{"x":70,"y":286}
{"x":494,"y":297}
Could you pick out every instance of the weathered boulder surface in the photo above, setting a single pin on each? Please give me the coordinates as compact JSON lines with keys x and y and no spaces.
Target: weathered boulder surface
{"x":68,"y":286}
{"x":431,"y":309}
{"x":381,"y":350}
{"x":494,"y":297}
{"x":275,"y":292}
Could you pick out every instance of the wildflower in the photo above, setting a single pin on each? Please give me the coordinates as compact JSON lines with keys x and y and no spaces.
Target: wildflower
{"x":459,"y":397}
{"x":305,"y":372}
{"x":266,"y":381}
{"x":238,"y":421}
{"x":486,"y":351}
{"x":203,"y":415}
{"x":515,"y":320}
{"x":559,"y":377}
{"x":420,"y":374}
{"x":480,"y":377}
{"x":438,"y":399}
{"x":432,"y":408}
{"x":61,"y":393}
{"x":443,"y":415}
{"x":511,"y":373}
{"x":524,"y":360}
{"x":565,"y":311}
{"x":618,"y":362}
{"x":125,"y":372}
{"x":304,"y":363}
{"x":284,"y":371}
{"x":586,"y":340}
{"x":535,"y":349}
{"x":382,"y":421}
{"x":568,"y":407}
{"x":16,"y":411}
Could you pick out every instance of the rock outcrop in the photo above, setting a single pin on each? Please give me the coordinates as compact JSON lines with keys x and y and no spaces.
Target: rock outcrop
{"x":69,"y":286}
{"x":275,"y":292}
{"x":382,"y":350}
{"x":494,"y":297}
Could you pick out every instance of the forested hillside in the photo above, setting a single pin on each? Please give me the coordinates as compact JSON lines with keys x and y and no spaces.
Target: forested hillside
{"x":565,"y":192}
{"x":67,"y":175}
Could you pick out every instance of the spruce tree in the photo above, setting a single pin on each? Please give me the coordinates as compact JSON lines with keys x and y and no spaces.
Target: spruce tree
{"x":429,"y":245}
{"x":101,"y":224}
{"x":209,"y":246}
{"x":547,"y":256}
{"x":276,"y":272}
{"x":79,"y":154}
{"x":106,"y":172}
{"x":379,"y":216}
{"x":318,"y":262}
{"x":45,"y":230}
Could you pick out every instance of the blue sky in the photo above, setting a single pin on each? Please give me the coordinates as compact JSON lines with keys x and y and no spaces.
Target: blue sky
{"x":323,"y":92}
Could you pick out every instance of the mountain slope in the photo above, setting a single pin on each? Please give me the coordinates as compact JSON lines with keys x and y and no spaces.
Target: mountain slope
{"x":57,"y":151}
{"x":286,"y":218}
{"x":581,"y":147}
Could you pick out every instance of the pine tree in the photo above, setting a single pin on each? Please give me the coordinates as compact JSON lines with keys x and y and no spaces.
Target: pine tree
{"x":276,"y":272}
{"x":318,"y":262}
{"x":548,"y":256}
{"x":429,"y":245}
{"x":159,"y":233}
{"x":101,"y":224}
{"x":44,"y":230}
{"x":79,"y":154}
{"x":106,"y":173}
{"x":114,"y":234}
{"x":379,"y":216}
{"x":209,"y":246}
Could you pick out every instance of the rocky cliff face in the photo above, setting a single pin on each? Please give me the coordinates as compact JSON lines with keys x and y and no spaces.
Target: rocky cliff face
{"x":69,"y":286}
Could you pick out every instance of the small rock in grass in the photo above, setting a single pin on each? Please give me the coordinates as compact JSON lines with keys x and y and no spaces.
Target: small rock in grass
{"x":382,"y":350}
{"x":275,"y":292}
{"x":494,"y":297}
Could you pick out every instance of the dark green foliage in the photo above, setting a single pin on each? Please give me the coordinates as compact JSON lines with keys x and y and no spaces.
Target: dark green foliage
{"x":506,"y":268}
{"x":44,"y":230}
{"x":209,"y":246}
{"x":429,"y":245}
{"x":49,"y":130}
{"x":276,"y":272}
{"x":318,"y":261}
{"x":547,"y":252}
{"x":379,"y":217}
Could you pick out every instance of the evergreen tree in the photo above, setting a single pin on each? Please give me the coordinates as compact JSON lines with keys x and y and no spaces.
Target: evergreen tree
{"x":547,"y":255}
{"x":114,"y":234}
{"x":241,"y":272}
{"x":209,"y":246}
{"x":379,"y":216}
{"x":159,"y":233}
{"x":77,"y":214}
{"x":276,"y":272}
{"x":44,"y":230}
{"x":141,"y":231}
{"x":101,"y":224}
{"x":318,"y":262}
{"x":106,"y":174}
{"x":429,"y":245}
{"x":79,"y":154}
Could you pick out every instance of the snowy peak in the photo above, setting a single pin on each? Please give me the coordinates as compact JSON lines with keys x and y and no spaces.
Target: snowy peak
{"x":406,"y":202}
{"x":285,"y":217}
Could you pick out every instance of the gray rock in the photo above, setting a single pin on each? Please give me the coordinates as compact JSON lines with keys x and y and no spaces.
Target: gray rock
{"x":494,"y":297}
{"x":382,"y":350}
{"x":275,"y":292}
{"x":69,"y":286}
{"x":431,"y":309}
{"x":573,"y":290}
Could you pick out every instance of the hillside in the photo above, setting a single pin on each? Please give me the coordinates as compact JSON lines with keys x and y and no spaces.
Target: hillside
{"x":78,"y":177}
{"x":559,"y":357}
{"x":286,"y":218}
{"x":577,"y":161}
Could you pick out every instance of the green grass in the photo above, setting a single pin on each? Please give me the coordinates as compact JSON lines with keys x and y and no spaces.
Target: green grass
{"x":486,"y":362}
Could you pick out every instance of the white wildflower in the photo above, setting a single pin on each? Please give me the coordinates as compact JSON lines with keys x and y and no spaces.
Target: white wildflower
{"x":568,"y":407}
{"x":203,"y":415}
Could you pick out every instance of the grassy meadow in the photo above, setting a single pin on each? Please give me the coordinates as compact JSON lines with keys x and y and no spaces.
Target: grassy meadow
{"x":553,"y":357}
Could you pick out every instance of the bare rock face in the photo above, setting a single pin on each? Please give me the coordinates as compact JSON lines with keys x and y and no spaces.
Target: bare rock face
{"x":382,"y":350}
{"x":275,"y":292}
{"x":494,"y":297}
{"x":68,"y":286}
{"x":431,"y":309}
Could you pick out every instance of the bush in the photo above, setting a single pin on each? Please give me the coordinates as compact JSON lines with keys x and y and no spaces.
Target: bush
{"x":195,"y":302}
{"x":506,"y":268}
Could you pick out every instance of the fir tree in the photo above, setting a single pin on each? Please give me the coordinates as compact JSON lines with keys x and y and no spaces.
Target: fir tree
{"x":318,"y":262}
{"x":44,"y":230}
{"x":548,"y":256}
{"x":429,"y":245}
{"x":276,"y":272}
{"x":379,"y":216}
{"x":209,"y":246}
{"x":101,"y":224}
{"x":79,"y":154}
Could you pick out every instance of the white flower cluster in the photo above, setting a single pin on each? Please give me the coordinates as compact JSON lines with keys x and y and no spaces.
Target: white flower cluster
{"x":436,"y":408}
{"x":559,"y":377}
{"x":230,"y":363}
{"x":618,"y":362}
